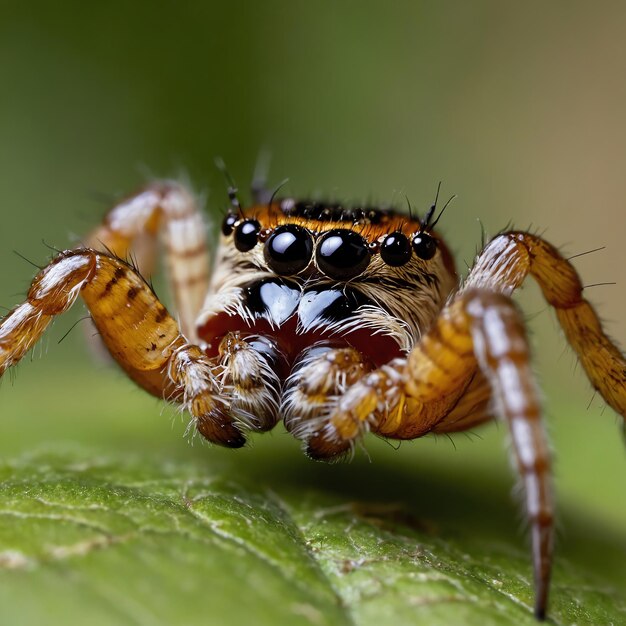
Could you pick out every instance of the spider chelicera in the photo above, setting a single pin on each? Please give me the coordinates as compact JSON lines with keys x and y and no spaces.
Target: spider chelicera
{"x":337,"y":320}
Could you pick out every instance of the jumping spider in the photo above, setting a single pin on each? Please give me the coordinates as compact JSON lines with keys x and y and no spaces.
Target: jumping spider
{"x":336,"y":320}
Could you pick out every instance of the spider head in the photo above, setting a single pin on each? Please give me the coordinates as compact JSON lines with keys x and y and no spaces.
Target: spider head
{"x":303,"y":271}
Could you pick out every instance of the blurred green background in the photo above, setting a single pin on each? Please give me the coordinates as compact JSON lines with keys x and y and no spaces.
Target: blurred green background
{"x":517,"y":107}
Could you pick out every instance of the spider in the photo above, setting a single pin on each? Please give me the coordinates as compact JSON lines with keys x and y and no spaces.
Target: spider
{"x":337,"y":320}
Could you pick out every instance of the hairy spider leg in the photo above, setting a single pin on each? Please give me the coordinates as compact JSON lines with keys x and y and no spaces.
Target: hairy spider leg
{"x":147,"y":343}
{"x":503,"y":266}
{"x":501,"y":347}
{"x":472,"y":409}
{"x":411,"y":397}
{"x":131,"y":228}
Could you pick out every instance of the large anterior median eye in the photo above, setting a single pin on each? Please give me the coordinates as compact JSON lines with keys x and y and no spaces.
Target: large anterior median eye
{"x":288,"y":249}
{"x":342,"y":254}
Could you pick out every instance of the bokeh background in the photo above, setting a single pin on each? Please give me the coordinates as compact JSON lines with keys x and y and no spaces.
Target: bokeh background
{"x":517,"y":107}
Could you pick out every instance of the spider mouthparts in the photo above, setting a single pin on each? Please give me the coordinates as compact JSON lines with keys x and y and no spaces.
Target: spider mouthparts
{"x":296,"y":317}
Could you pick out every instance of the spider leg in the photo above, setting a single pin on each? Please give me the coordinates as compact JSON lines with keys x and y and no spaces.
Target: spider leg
{"x":408,"y":397}
{"x":140,"y":335}
{"x":473,"y":408}
{"x":132,"y":227}
{"x":436,"y":386}
{"x":501,"y":347}
{"x":504,"y":264}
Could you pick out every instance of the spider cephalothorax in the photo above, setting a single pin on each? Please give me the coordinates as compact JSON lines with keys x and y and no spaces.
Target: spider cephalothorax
{"x":302,"y":272}
{"x":334,"y":292}
{"x":336,"y":320}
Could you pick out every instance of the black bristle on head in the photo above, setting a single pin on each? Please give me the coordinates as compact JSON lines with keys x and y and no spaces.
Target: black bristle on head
{"x":429,"y":216}
{"x":428,"y":223}
{"x":232,"y":188}
{"x":334,"y":212}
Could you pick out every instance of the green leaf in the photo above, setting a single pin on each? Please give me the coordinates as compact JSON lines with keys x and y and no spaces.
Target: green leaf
{"x":105,"y":540}
{"x":129,"y":524}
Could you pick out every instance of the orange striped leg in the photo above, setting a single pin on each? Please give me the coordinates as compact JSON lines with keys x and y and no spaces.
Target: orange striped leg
{"x":414,"y":396}
{"x":406,"y":398}
{"x":140,"y":335}
{"x":132,"y":226}
{"x":473,"y":408}
{"x":501,"y":347}
{"x":504,"y":264}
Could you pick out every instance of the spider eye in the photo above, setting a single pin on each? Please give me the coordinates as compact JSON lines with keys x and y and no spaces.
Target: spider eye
{"x":228,"y":224}
{"x":425,"y":246}
{"x":342,"y":254}
{"x":395,"y":249}
{"x":246,"y":235}
{"x":288,"y":249}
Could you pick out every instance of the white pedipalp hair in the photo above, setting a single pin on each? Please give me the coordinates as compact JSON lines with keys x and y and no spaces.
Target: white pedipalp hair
{"x":252,"y":387}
